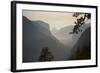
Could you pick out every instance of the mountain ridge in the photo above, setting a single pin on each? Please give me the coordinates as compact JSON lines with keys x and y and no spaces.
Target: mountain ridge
{"x":35,"y":39}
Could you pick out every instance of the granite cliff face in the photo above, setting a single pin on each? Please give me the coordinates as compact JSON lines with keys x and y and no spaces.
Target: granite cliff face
{"x":36,"y":35}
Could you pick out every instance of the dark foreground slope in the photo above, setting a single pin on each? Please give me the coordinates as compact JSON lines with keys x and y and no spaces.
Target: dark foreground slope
{"x":82,"y":49}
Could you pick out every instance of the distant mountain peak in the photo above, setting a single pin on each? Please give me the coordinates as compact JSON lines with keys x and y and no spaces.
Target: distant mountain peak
{"x":42,"y":23}
{"x":36,"y":22}
{"x":25,"y":18}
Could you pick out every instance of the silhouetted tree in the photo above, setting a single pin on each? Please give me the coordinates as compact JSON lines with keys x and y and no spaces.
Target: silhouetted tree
{"x":79,"y":21}
{"x":46,"y":55}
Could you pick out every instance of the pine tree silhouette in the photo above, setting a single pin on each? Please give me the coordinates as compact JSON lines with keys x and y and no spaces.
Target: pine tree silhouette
{"x":46,"y":55}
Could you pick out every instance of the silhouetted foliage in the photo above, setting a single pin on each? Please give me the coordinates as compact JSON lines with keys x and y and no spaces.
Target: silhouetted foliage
{"x":80,"y":21}
{"x":46,"y":55}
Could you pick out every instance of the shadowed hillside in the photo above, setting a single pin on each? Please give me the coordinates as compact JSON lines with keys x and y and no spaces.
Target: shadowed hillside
{"x":82,"y":49}
{"x":36,"y":35}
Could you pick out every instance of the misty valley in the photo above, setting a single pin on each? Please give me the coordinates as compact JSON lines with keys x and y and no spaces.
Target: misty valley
{"x":40,"y":44}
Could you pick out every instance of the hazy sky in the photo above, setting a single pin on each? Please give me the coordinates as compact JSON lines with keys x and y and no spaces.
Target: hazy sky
{"x":56,"y":20}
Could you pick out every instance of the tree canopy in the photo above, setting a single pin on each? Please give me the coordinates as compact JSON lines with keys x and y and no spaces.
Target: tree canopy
{"x":80,"y":21}
{"x":46,"y":55}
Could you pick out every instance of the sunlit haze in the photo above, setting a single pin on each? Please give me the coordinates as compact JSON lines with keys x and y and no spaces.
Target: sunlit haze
{"x":56,"y":20}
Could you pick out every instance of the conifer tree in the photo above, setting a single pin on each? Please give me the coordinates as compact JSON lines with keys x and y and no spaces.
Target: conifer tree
{"x":45,"y":55}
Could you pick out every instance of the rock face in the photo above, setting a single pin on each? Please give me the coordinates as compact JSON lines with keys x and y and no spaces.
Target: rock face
{"x":82,"y":49}
{"x":36,"y":35}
